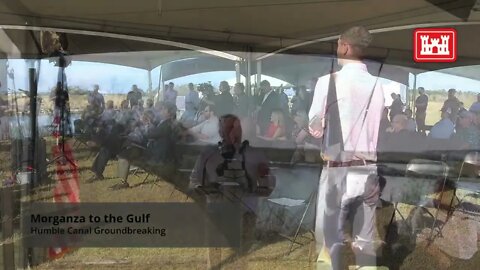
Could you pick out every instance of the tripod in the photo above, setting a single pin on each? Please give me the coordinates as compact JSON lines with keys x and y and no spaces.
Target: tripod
{"x":61,"y":105}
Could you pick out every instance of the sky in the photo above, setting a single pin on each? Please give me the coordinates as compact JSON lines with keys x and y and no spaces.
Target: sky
{"x":119,"y":79}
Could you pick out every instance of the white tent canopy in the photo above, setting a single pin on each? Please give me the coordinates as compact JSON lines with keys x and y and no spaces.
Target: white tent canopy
{"x":164,"y":31}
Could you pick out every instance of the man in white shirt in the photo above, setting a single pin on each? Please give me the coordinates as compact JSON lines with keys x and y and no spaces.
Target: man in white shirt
{"x":360,"y":102}
{"x":207,"y":131}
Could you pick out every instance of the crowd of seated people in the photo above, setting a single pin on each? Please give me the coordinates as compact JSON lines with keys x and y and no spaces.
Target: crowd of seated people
{"x":133,"y":135}
{"x":135,"y":132}
{"x":457,"y":132}
{"x":275,"y":120}
{"x":269,"y":117}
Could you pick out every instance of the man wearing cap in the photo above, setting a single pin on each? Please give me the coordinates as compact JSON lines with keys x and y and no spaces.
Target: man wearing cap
{"x":346,"y":110}
{"x":452,"y":103}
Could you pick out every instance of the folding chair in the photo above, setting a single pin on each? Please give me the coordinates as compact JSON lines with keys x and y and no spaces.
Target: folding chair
{"x":470,"y":183}
{"x":425,"y":170}
{"x":284,"y":203}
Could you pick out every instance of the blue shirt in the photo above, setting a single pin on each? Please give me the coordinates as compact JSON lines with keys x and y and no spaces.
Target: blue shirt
{"x":192,"y":100}
{"x":443,"y":129}
{"x":475,"y":107}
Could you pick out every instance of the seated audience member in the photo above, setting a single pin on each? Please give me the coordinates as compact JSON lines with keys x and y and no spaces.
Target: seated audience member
{"x":300,"y":135}
{"x":140,"y":128}
{"x":158,"y":139}
{"x":277,"y":128}
{"x":137,"y":112}
{"x":300,"y":130}
{"x":156,"y":110}
{"x":88,"y":121}
{"x":400,"y":139}
{"x":111,"y":142}
{"x":207,"y":131}
{"x":477,"y":119}
{"x":162,"y":135}
{"x":300,"y":101}
{"x":123,"y":116}
{"x":444,"y":128}
{"x":411,"y":124}
{"x":188,"y":118}
{"x":149,"y":104}
{"x":467,"y":136}
{"x":109,"y":112}
{"x":475,"y":108}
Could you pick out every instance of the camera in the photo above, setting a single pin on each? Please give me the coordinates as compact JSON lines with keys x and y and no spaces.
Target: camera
{"x":231,"y":172}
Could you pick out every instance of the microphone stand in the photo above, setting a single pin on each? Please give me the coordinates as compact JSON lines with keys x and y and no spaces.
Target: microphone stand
{"x":61,"y":103}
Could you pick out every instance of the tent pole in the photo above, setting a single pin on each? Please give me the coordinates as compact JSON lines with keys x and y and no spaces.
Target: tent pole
{"x":150,"y":80}
{"x":259,"y":72}
{"x":237,"y":72}
{"x":248,"y":81}
{"x":160,"y":85}
{"x":412,"y":101}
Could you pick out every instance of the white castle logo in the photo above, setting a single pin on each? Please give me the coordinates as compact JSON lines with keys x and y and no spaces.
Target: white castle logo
{"x":427,"y":48}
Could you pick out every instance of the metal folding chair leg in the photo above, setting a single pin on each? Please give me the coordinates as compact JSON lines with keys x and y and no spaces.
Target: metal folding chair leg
{"x":311,"y":199}
{"x":430,"y":238}
{"x":146,"y":177}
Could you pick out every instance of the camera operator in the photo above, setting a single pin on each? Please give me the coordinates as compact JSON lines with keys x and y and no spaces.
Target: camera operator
{"x":233,"y":172}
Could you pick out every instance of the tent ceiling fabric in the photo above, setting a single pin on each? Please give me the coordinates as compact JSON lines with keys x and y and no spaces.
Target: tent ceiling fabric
{"x":147,"y":60}
{"x":257,"y":23}
{"x":261,"y":26}
{"x":294,"y":69}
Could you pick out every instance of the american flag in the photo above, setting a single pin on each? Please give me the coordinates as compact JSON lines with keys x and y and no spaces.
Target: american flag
{"x":67,"y":189}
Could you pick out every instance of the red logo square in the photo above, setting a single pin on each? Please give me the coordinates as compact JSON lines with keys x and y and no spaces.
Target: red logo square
{"x":435,"y":45}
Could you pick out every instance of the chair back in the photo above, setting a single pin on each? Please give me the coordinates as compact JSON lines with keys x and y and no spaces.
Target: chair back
{"x":423,"y":168}
{"x":472,"y":158}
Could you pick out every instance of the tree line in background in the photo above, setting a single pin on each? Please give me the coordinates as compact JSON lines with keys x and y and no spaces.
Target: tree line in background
{"x":79,"y":95}
{"x":441,"y":95}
